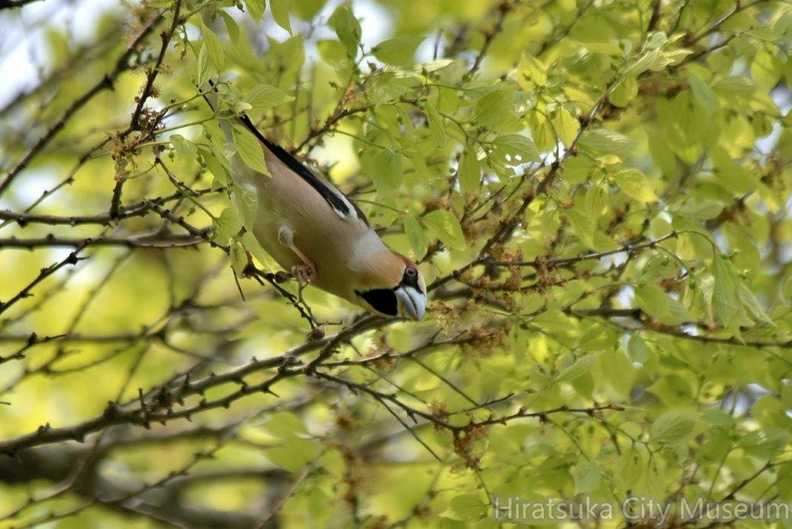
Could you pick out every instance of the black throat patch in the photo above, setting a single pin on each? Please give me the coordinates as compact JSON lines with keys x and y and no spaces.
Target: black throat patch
{"x":382,"y":300}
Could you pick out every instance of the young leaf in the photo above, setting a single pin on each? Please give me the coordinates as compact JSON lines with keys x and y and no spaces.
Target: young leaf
{"x":436,"y":124}
{"x":251,"y":150}
{"x":398,"y":51}
{"x":515,"y":149}
{"x":239,"y":260}
{"x":531,"y":72}
{"x":604,"y":141}
{"x":635,"y":185}
{"x":630,"y":466}
{"x":469,"y":172}
{"x":579,"y":368}
{"x":203,"y":64}
{"x":445,"y":226}
{"x":292,"y":455}
{"x":256,"y":10}
{"x":280,"y":12}
{"x":183,"y":147}
{"x":227,"y":225}
{"x":468,"y":507}
{"x":495,"y":109}
{"x":214,"y":48}
{"x":384,"y":168}
{"x":415,"y":236}
{"x":347,"y":28}
{"x":566,"y":125}
{"x":749,"y":300}
{"x":587,"y":477}
{"x":624,"y":91}
{"x":262,"y":97}
{"x":655,"y":302}
{"x":216,"y":163}
{"x":703,"y":93}
{"x":245,"y":200}
{"x":673,"y":426}
{"x":725,"y":298}
{"x":231,"y":27}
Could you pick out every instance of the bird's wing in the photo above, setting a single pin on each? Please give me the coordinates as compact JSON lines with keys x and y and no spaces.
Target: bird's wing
{"x":344,"y":207}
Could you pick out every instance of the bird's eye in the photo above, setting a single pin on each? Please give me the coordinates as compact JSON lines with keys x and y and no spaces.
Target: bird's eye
{"x":411,"y":272}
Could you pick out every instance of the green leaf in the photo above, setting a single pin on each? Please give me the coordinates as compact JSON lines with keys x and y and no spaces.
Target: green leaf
{"x":732,"y":176}
{"x":725,"y":298}
{"x":468,"y":507}
{"x":284,"y":425}
{"x":673,"y":426}
{"x":579,"y":368}
{"x":637,"y":348}
{"x":203,"y":64}
{"x":495,"y":109}
{"x":624,"y":91}
{"x":604,"y":141}
{"x":582,"y":224}
{"x":333,"y":52}
{"x":293,"y":454}
{"x":307,"y":9}
{"x":245,"y":199}
{"x":445,"y":226}
{"x":629,"y":467}
{"x":531,"y":72}
{"x":280,"y":13}
{"x":655,"y":302}
{"x":595,"y":201}
{"x":703,"y":93}
{"x":239,"y":260}
{"x":183,"y":147}
{"x":256,"y":9}
{"x":515,"y":149}
{"x":216,"y":162}
{"x":469,"y":172}
{"x":262,"y":97}
{"x":347,"y":28}
{"x":643,"y":63}
{"x":415,"y":236}
{"x":749,"y":300}
{"x":566,"y":125}
{"x":214,"y":48}
{"x":384,"y":167}
{"x":436,"y":124}
{"x":587,"y":477}
{"x":254,"y":247}
{"x":734,"y":85}
{"x":231,"y":27}
{"x":225,"y":226}
{"x":635,"y":184}
{"x":662,"y":155}
{"x":251,"y":150}
{"x":766,"y":69}
{"x":398,"y":51}
{"x":765,"y":443}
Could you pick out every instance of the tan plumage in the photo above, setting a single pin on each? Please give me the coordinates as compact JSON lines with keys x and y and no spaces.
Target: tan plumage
{"x":304,"y":222}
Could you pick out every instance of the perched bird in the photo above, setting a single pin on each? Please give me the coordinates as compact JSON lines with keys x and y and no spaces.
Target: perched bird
{"x":313,"y":230}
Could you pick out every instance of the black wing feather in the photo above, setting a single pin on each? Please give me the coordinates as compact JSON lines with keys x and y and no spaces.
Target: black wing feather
{"x":330,"y":196}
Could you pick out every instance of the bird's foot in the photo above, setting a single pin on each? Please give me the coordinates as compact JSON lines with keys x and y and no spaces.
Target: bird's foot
{"x":304,"y":273}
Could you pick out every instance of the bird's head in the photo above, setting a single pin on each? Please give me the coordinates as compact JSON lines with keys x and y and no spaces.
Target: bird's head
{"x":394,"y":288}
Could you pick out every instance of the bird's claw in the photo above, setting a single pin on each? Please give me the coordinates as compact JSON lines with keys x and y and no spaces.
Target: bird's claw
{"x":304,"y":273}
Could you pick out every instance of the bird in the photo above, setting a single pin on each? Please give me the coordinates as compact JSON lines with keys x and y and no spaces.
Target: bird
{"x":311,"y":229}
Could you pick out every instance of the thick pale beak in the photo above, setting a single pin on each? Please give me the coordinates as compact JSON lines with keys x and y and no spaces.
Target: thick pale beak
{"x":412,"y":302}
